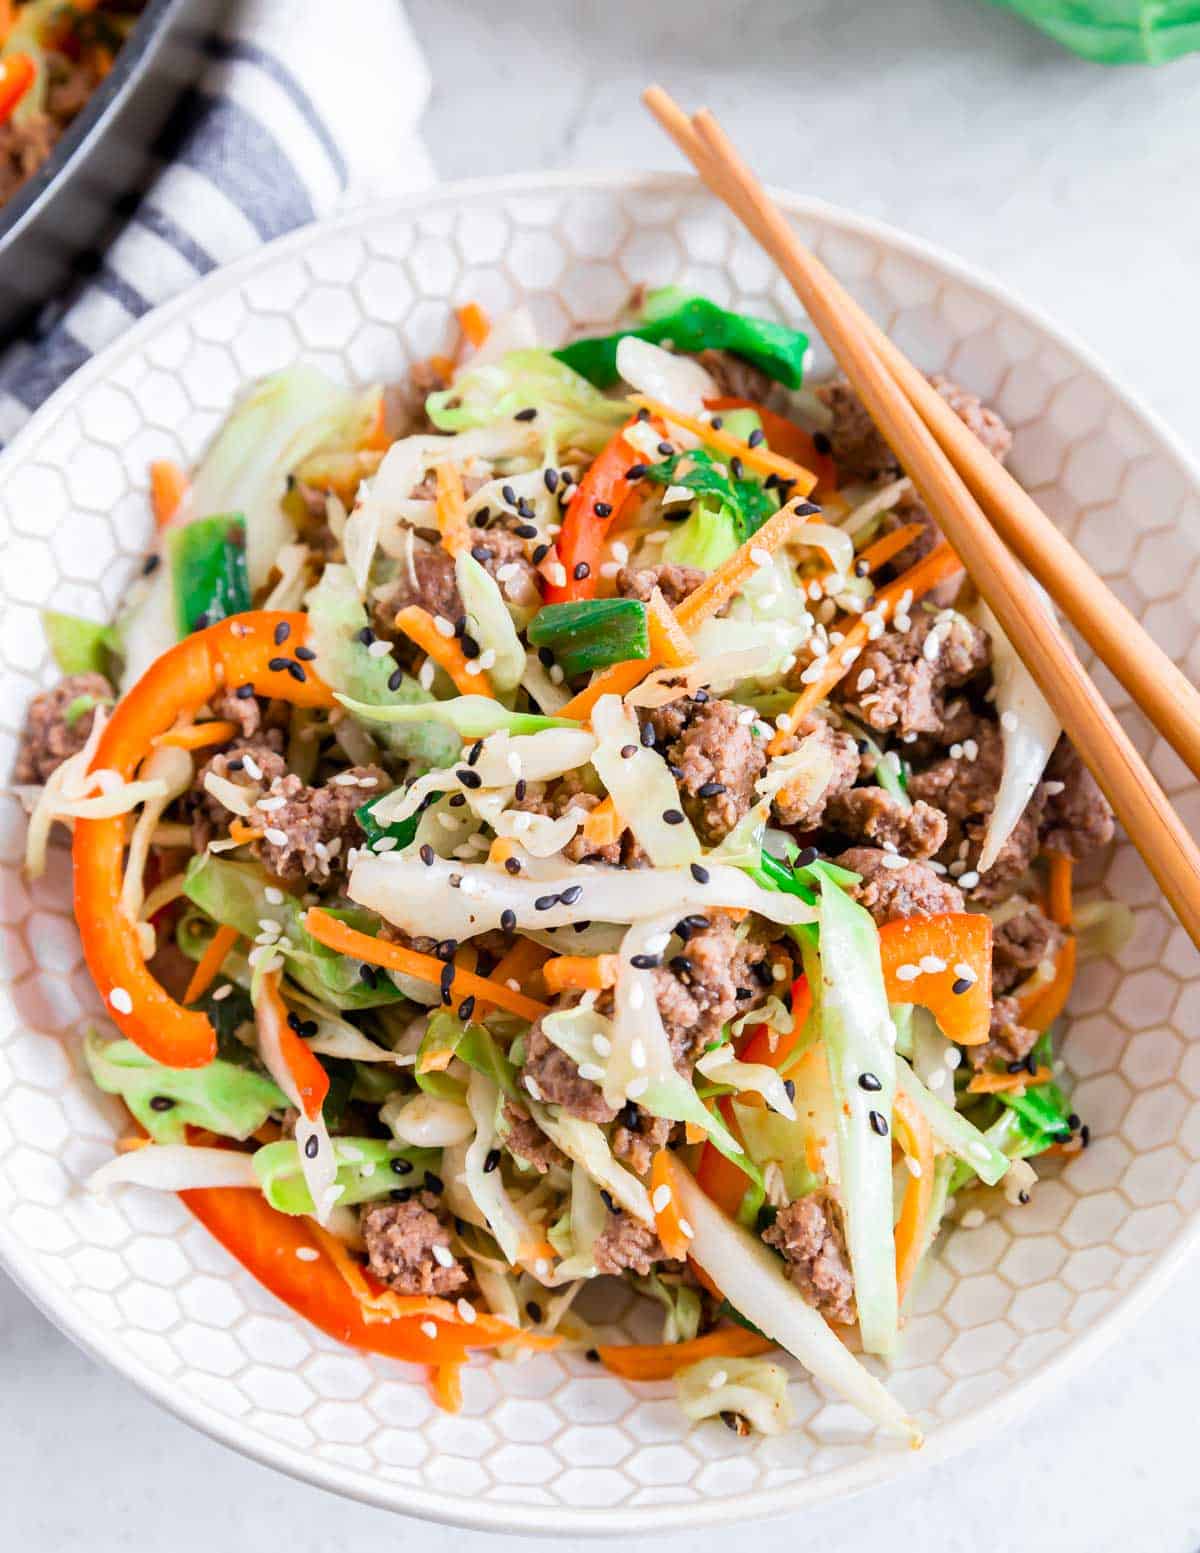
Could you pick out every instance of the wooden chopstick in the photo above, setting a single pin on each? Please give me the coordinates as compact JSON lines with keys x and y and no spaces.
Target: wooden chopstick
{"x":1139,"y":802}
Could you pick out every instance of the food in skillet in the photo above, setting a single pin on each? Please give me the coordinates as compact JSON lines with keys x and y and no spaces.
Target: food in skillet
{"x":578,"y":824}
{"x":53,"y":56}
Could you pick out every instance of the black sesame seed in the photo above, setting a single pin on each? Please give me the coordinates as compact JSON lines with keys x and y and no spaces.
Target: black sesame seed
{"x":545,"y":657}
{"x":508,"y":920}
{"x":870,"y":1083}
{"x":878,"y":1123}
{"x":756,"y":438}
{"x":571,"y":894}
{"x":804,"y":509}
{"x":367,"y":973}
{"x":470,"y":646}
{"x":491,"y":1161}
{"x":526,"y":415}
{"x":822,"y":444}
{"x":482,"y":553}
{"x":201,"y":621}
{"x":672,"y":816}
{"x":161,"y":1103}
{"x":279,"y":665}
{"x":539,"y":555}
{"x":1022,"y":1196}
{"x":700,"y":697}
{"x":1073,"y":1121}
{"x":696,"y":922}
{"x":282,"y":631}
{"x":427,"y":855}
{"x":308,"y":1029}
{"x":710,"y":789}
{"x":762,"y":974}
{"x":1015,"y":1067}
{"x":510,"y":496}
{"x":293,"y":1020}
{"x":582,"y":570}
{"x":401,"y":1194}
{"x":962,"y":984}
{"x":366,"y":636}
{"x":636,"y":471}
{"x":469,"y":778}
{"x":151,"y":564}
{"x":606,"y":1198}
{"x":475,"y":752}
{"x":666,"y":449}
{"x":447,"y":949}
{"x":550,"y":480}
{"x":401,"y":1167}
{"x":1085,"y":1135}
{"x":628,"y":751}
{"x":789,"y":1084}
{"x":457,"y":800}
{"x":862,"y":568}
{"x":434,"y":1184}
{"x":700,"y":874}
{"x":306,"y":653}
{"x":460,"y":626}
{"x":245,"y":692}
{"x":236,"y":764}
{"x":533,"y":1310}
{"x":521,"y":789}
{"x":581,"y":927}
{"x":630,"y":1117}
{"x":545,"y":902}
{"x":395,"y":679}
{"x":648,"y":735}
{"x":681,"y":965}
{"x":645,"y":962}
{"x":512,"y":865}
{"x":602,"y":509}
{"x":526,"y":531}
{"x":806,"y":858}
{"x":593,"y":1355}
{"x":311,"y":1147}
{"x":717,"y":422}
{"x":466,"y":1008}
{"x":737,"y":468}
{"x":296,"y":670}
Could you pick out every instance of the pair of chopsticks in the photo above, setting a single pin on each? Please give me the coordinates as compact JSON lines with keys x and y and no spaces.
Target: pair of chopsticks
{"x":983,"y":512}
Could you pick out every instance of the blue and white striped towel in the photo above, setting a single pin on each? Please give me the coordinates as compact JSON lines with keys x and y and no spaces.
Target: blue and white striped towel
{"x":279,"y":129}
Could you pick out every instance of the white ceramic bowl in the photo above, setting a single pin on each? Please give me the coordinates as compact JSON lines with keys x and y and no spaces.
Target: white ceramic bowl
{"x":554,"y":1445}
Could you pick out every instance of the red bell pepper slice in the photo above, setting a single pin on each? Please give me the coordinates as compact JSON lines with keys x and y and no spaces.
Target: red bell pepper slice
{"x":584,"y":529}
{"x":17,"y":74}
{"x":953,"y":939}
{"x":235,"y":651}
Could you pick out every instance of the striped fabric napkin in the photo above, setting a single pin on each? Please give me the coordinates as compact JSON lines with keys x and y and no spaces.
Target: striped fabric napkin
{"x":280,"y":128}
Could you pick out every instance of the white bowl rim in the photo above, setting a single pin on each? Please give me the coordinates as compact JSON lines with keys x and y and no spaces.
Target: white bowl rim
{"x":885,"y":1465}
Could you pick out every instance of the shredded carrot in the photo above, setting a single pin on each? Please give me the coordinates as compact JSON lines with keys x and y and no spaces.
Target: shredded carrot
{"x":210,"y":963}
{"x":1059,"y":890}
{"x":873,"y":556}
{"x":759,"y":458}
{"x":581,"y":972}
{"x":669,"y":643}
{"x":1039,"y":1008}
{"x":474,"y":323}
{"x":521,"y":964}
{"x":659,"y":1361}
{"x":242,"y":833}
{"x":617,"y":680}
{"x":418,"y":625}
{"x":1007,"y":1083}
{"x":672,"y":1231}
{"x":916,"y":1139}
{"x":443,"y":366}
{"x":918,"y":580}
{"x":451,"y":509}
{"x":445,"y":1383}
{"x":195,"y":736}
{"x":168,"y":487}
{"x":346,"y":940}
{"x":602,"y":826}
{"x":374,"y":437}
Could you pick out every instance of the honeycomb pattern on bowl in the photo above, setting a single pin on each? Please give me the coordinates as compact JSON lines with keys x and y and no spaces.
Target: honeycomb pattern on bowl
{"x":553,"y":1444}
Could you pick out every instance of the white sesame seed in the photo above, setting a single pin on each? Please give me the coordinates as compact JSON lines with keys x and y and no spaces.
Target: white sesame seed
{"x":487,"y":659}
{"x":865,"y":680}
{"x":379,"y":648}
{"x":307,"y":1254}
{"x":970,"y":749}
{"x":591,"y":1071}
{"x":429,"y":1328}
{"x":222,"y":993}
{"x":443,"y":1256}
{"x":637,"y":996}
{"x":620,"y":552}
{"x":717,"y":1379}
{"x":903,"y":622}
{"x":907,"y":972}
{"x":660,"y":1197}
{"x":474,"y":666}
{"x":637,"y":1087}
{"x":557,"y":573}
{"x":969,"y":879}
{"x":120,"y":1000}
{"x":953,"y":1057}
{"x":252,"y":768}
{"x":512,"y":984}
{"x":601,"y":1045}
{"x":466,"y":1311}
{"x":531,"y":1083}
{"x":507,"y":572}
{"x":344,"y":779}
{"x":892,"y":860}
{"x":931,"y":965}
{"x":556,"y":674}
{"x":610,"y":569}
{"x":442,"y":626}
{"x":812,"y":673}
{"x":963,"y":971}
{"x":1052,"y":789}
{"x":269,"y":925}
{"x":368,"y":781}
{"x":938,"y":1078}
{"x":270,"y":805}
{"x":815,"y":590}
{"x":426,"y":673}
{"x":542,"y":1267}
{"x":850,"y":655}
{"x":972,"y":1219}
{"x":686,"y":1230}
{"x":637,"y":1053}
{"x":277,"y":837}
{"x":273,"y":895}
{"x":913,"y":1166}
{"x":1009,"y":721}
{"x":385,"y":844}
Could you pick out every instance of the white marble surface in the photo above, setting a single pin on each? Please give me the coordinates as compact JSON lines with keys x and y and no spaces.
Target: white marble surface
{"x":1076,"y":186}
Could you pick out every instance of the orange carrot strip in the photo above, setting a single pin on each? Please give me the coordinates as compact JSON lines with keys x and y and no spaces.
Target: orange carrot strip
{"x":1059,"y":890}
{"x":888,"y":545}
{"x":615,"y":681}
{"x":451,"y":509}
{"x":417,"y":624}
{"x":168,"y":487}
{"x":1006,"y":1083}
{"x":916,"y":1139}
{"x":346,"y":940}
{"x":581,"y":972}
{"x":242,"y":833}
{"x":210,"y":963}
{"x":474,"y":323}
{"x":602,"y":826}
{"x":445,"y":1384}
{"x":659,"y":1361}
{"x":521,"y":964}
{"x":443,"y":366}
{"x":197,"y":735}
{"x":759,"y":458}
{"x":669,"y":643}
{"x":672,"y":1235}
{"x":1038,"y":1008}
{"x":918,"y":580}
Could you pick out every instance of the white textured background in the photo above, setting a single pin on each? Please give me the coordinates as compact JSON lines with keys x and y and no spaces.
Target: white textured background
{"x":1074,"y":185}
